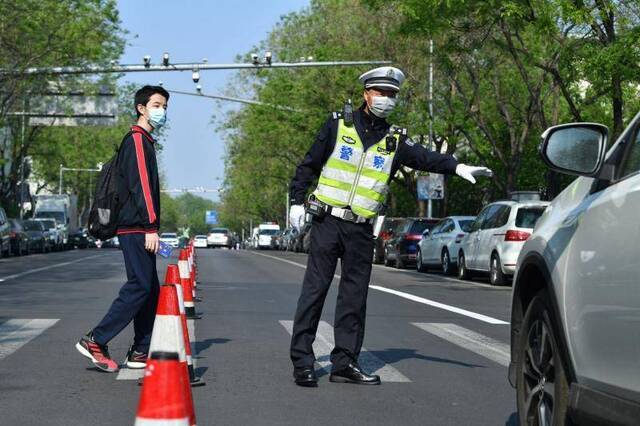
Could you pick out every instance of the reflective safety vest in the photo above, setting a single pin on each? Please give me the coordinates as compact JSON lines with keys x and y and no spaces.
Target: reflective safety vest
{"x":354,"y":177}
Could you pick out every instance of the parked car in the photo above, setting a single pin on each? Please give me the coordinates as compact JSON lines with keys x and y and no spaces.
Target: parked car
{"x":575,"y":299}
{"x":200,"y":241}
{"x":19,"y":240}
{"x":219,"y":237}
{"x":111,"y":243}
{"x":5,"y":231}
{"x":400,"y":250}
{"x":496,"y":237}
{"x":276,"y":240}
{"x":302,"y":240}
{"x":439,"y":246}
{"x":170,"y":238}
{"x":79,"y":238}
{"x":55,"y":236}
{"x":388,"y":225}
{"x":38,"y":235}
{"x":289,"y":238}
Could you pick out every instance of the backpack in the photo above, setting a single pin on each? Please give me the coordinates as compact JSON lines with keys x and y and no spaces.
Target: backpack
{"x":103,"y":216}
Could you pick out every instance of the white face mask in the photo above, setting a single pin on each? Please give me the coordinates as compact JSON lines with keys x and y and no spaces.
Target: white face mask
{"x":381,"y":106}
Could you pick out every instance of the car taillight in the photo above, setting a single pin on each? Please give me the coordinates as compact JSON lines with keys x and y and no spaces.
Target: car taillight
{"x":12,"y":234}
{"x":512,"y":235}
{"x":413,"y":237}
{"x":384,"y":235}
{"x":459,"y":237}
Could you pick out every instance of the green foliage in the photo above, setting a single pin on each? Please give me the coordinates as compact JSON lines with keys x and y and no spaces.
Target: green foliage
{"x":185,"y":212}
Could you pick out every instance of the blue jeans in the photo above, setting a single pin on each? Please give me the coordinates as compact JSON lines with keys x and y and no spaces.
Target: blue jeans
{"x":137,"y":299}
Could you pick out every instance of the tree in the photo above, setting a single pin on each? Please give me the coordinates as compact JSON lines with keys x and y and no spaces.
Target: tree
{"x":40,"y":34}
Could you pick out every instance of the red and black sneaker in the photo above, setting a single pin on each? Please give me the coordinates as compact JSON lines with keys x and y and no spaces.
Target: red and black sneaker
{"x":136,"y":359}
{"x":98,"y":354}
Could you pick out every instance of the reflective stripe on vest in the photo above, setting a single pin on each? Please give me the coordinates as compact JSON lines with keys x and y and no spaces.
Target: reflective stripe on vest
{"x":355,"y":177}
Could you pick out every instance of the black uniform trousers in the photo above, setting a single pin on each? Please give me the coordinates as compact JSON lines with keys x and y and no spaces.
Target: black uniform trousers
{"x":138,"y":297}
{"x":333,"y":239}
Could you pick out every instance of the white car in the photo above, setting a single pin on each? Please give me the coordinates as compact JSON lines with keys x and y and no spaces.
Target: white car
{"x":200,"y":241}
{"x":170,"y":238}
{"x":439,"y":247}
{"x":575,"y":316}
{"x":219,"y":237}
{"x":496,"y":237}
{"x":55,"y":236}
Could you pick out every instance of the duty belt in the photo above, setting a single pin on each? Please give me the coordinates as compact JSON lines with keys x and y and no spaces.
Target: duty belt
{"x":346,"y":214}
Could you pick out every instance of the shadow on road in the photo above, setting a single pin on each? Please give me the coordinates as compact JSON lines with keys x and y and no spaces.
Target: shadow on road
{"x":512,"y":420}
{"x":393,"y":355}
{"x":203,"y":345}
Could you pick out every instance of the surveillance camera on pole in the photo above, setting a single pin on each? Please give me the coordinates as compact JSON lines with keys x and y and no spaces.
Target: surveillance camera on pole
{"x":165,"y":59}
{"x":255,"y":59}
{"x":268,"y":57}
{"x":199,"y":89}
{"x":195,"y":76}
{"x":147,"y":60}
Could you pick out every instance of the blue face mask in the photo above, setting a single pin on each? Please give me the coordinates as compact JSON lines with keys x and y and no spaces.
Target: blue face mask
{"x":157,"y":117}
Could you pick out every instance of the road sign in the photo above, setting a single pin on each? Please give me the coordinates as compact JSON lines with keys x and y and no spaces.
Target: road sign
{"x":211,"y":217}
{"x":430,"y":187}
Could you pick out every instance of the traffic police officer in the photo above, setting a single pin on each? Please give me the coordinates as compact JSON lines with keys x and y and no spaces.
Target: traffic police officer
{"x":354,"y":156}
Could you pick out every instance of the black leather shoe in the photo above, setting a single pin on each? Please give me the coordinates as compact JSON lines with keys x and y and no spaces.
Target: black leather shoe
{"x":353,"y":374}
{"x":305,"y":376}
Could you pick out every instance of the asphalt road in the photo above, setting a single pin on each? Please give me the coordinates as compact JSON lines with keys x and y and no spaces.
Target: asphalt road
{"x":440,"y":345}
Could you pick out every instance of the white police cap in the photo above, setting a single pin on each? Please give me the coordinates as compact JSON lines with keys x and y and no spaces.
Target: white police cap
{"x":389,"y":78}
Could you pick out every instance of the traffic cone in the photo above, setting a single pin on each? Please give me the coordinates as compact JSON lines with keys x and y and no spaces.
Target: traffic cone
{"x":187,"y":285}
{"x":162,"y":400}
{"x":167,"y":337}
{"x":194,"y":273}
{"x":173,"y":278}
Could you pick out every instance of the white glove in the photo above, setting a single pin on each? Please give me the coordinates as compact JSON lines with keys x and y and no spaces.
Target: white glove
{"x":469,"y":172}
{"x":296,"y":215}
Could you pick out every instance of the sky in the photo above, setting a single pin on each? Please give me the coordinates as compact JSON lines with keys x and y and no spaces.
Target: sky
{"x":190,"y":30}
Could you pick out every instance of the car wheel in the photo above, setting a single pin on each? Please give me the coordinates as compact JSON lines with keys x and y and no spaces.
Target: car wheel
{"x":420,"y":266}
{"x":387,"y":261}
{"x":542,"y":388}
{"x":399,"y":264}
{"x":463,"y":272}
{"x":496,"y":277}
{"x":445,"y":261}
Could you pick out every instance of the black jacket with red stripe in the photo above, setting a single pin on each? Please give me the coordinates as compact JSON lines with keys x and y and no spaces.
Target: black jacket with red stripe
{"x":139,"y":184}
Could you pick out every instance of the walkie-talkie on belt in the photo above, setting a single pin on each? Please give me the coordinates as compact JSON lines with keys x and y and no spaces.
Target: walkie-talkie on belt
{"x":347,"y":113}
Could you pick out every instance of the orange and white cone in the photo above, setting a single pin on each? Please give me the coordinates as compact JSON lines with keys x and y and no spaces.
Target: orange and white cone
{"x":187,"y":285}
{"x":162,"y":400}
{"x":173,"y":278}
{"x":167,"y":337}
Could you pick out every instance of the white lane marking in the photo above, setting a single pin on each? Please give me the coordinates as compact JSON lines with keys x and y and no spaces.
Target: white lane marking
{"x":414,"y":298}
{"x":323,"y":345}
{"x":130,"y":373}
{"x":15,"y":333}
{"x":44,"y":268}
{"x":442,"y":277}
{"x":480,"y":344}
{"x":439,"y":305}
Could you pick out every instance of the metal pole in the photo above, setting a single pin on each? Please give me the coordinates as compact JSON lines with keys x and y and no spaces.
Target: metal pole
{"x":60,"y":186}
{"x":24,"y":107}
{"x":430,"y":202}
{"x":201,"y":66}
{"x":286,"y":209}
{"x":239,"y":100}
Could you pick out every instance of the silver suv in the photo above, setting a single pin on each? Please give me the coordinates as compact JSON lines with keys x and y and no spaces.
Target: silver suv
{"x":575,"y":326}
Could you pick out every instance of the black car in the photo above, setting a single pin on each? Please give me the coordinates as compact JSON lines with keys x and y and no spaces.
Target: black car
{"x":18,"y":238}
{"x":79,"y":239}
{"x":5,"y":231}
{"x":38,"y":235}
{"x":400,"y":250}
{"x":389,"y":224}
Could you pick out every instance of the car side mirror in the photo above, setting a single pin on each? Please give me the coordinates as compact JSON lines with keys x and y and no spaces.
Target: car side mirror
{"x":575,"y":148}
{"x":425,"y":233}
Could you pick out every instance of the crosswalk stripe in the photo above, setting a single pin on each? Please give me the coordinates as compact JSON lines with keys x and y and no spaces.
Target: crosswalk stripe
{"x":368,"y":361}
{"x":478,"y":343}
{"x":130,"y":373}
{"x":15,"y":333}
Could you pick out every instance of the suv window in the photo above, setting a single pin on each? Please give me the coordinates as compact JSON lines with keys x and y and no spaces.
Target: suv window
{"x":479,"y":219}
{"x":449,"y":226}
{"x":465,"y":225}
{"x":438,"y":228}
{"x":501,"y":217}
{"x":527,"y":217}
